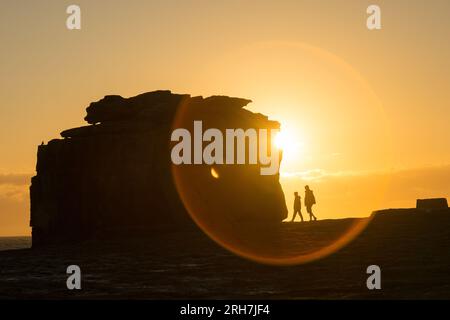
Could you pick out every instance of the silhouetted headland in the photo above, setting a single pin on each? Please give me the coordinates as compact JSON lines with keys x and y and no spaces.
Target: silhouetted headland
{"x":434,"y":205}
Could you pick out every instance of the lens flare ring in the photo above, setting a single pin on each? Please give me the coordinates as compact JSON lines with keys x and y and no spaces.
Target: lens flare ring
{"x":198,"y":208}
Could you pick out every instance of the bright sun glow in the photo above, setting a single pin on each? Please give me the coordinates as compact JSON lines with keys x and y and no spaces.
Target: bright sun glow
{"x":289,"y":142}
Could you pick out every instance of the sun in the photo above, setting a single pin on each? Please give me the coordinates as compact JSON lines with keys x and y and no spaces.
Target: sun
{"x":281,"y":140}
{"x":288,"y":142}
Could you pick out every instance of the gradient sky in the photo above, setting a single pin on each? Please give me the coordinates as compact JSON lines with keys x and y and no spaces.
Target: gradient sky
{"x":369,"y":108}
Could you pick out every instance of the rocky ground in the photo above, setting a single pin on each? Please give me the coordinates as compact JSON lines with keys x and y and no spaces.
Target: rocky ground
{"x":412,"y":250}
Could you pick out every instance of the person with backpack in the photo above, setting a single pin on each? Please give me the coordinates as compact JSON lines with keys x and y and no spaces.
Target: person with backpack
{"x":310,"y":200}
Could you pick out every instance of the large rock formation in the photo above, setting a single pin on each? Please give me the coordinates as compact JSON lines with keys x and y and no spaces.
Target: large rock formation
{"x":115,"y":176}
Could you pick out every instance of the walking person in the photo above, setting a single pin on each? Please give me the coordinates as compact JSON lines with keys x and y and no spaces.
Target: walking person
{"x":297,"y":207}
{"x":310,"y":200}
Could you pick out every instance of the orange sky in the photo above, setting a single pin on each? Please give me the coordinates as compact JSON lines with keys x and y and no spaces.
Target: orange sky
{"x":366,"y":107}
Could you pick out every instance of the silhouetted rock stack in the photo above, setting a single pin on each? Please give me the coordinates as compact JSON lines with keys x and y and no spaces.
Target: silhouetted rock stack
{"x":114,"y":176}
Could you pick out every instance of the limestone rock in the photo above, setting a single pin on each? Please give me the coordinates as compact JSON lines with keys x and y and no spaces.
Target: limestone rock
{"x":115,"y":175}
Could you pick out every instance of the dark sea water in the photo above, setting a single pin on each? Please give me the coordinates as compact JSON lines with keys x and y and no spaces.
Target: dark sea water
{"x":13,"y":243}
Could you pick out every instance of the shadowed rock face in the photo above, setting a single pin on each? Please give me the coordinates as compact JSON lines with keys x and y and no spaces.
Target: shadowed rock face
{"x":115,"y":176}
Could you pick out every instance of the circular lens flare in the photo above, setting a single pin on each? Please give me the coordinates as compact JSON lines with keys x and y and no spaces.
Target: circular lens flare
{"x":210,"y":202}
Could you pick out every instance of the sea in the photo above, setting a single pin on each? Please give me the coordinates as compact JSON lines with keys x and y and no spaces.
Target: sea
{"x":14,"y":243}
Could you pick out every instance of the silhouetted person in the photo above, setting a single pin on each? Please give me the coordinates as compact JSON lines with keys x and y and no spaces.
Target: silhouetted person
{"x":310,"y":200}
{"x":297,"y":207}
